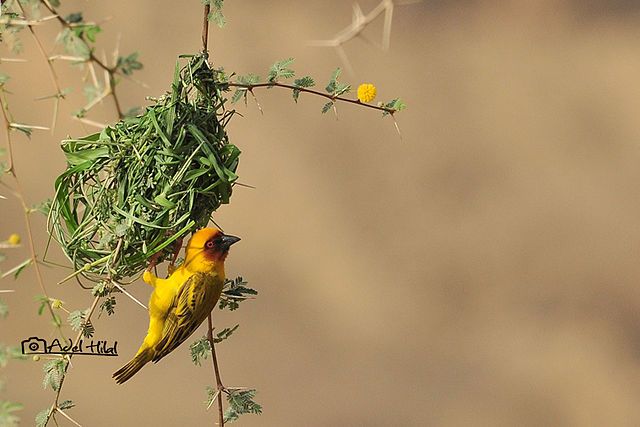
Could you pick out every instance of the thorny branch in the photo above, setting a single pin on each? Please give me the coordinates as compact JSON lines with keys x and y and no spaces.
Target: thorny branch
{"x":112,"y":71}
{"x":52,"y":72}
{"x":333,"y":98}
{"x":250,"y":87}
{"x":359,"y":21}
{"x":19,"y":193}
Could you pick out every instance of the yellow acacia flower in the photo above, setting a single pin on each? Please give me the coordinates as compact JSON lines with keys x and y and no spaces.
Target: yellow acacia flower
{"x":366,"y":92}
{"x":14,"y":239}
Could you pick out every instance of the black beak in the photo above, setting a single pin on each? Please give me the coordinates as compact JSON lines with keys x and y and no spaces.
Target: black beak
{"x":226,"y":241}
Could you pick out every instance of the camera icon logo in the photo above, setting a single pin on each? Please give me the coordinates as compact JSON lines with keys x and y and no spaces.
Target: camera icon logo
{"x":34,"y":345}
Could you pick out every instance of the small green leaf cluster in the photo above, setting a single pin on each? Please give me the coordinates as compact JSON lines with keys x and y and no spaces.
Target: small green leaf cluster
{"x":224,"y":334}
{"x":54,"y":371}
{"x":81,"y":28}
{"x":17,"y":269}
{"x":395,"y":104}
{"x":280,"y":70}
{"x":335,"y":89}
{"x":103,"y":289}
{"x":303,"y":82}
{"x":201,"y":348}
{"x":241,"y":93}
{"x":44,"y":301}
{"x":241,"y":402}
{"x":73,"y":44}
{"x":215,"y":13}
{"x":42,"y":417}
{"x":128,"y":64}
{"x":234,"y":292}
{"x":78,"y":321}
{"x":66,"y":404}
{"x":9,"y":27}
{"x":108,"y":305}
{"x":77,"y":36}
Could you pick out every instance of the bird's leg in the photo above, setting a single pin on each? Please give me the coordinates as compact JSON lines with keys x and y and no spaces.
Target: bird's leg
{"x":153,"y":261}
{"x":149,"y":276}
{"x":176,"y":251}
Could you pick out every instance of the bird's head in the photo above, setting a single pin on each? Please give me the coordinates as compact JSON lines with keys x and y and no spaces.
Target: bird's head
{"x":208,"y":246}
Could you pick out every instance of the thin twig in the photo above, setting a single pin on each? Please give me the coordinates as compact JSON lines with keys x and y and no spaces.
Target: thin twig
{"x":110,"y":77}
{"x":12,"y":60}
{"x":70,"y":26}
{"x":91,"y":122}
{"x":124,"y":291}
{"x":334,"y":98}
{"x":64,"y":414}
{"x":52,"y":72}
{"x":205,"y":28}
{"x":216,"y":371}
{"x":114,"y":95}
{"x":256,"y":100}
{"x":78,"y":59}
{"x":26,"y":22}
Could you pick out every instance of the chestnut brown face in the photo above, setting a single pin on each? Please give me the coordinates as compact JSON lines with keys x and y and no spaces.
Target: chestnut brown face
{"x":220,"y":243}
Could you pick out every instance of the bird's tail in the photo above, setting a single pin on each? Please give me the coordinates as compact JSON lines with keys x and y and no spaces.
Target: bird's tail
{"x":130,"y":369}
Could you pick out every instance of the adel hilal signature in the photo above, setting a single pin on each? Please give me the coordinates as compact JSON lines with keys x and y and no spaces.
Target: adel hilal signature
{"x":35,"y":345}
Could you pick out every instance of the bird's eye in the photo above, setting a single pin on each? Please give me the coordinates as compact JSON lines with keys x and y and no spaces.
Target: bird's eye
{"x":209,"y":244}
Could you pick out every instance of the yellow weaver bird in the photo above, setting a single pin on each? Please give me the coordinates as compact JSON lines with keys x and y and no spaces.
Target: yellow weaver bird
{"x":180,"y":303}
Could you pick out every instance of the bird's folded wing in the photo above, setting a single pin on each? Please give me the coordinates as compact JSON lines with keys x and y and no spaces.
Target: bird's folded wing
{"x":191,"y":305}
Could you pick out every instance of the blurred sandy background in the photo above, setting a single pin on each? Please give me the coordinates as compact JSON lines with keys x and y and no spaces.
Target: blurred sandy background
{"x":483,"y":271}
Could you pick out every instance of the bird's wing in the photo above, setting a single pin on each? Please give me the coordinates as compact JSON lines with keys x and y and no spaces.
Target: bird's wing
{"x":191,"y":305}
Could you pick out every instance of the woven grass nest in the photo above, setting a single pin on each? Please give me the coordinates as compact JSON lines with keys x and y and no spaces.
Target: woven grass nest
{"x":133,"y":189}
